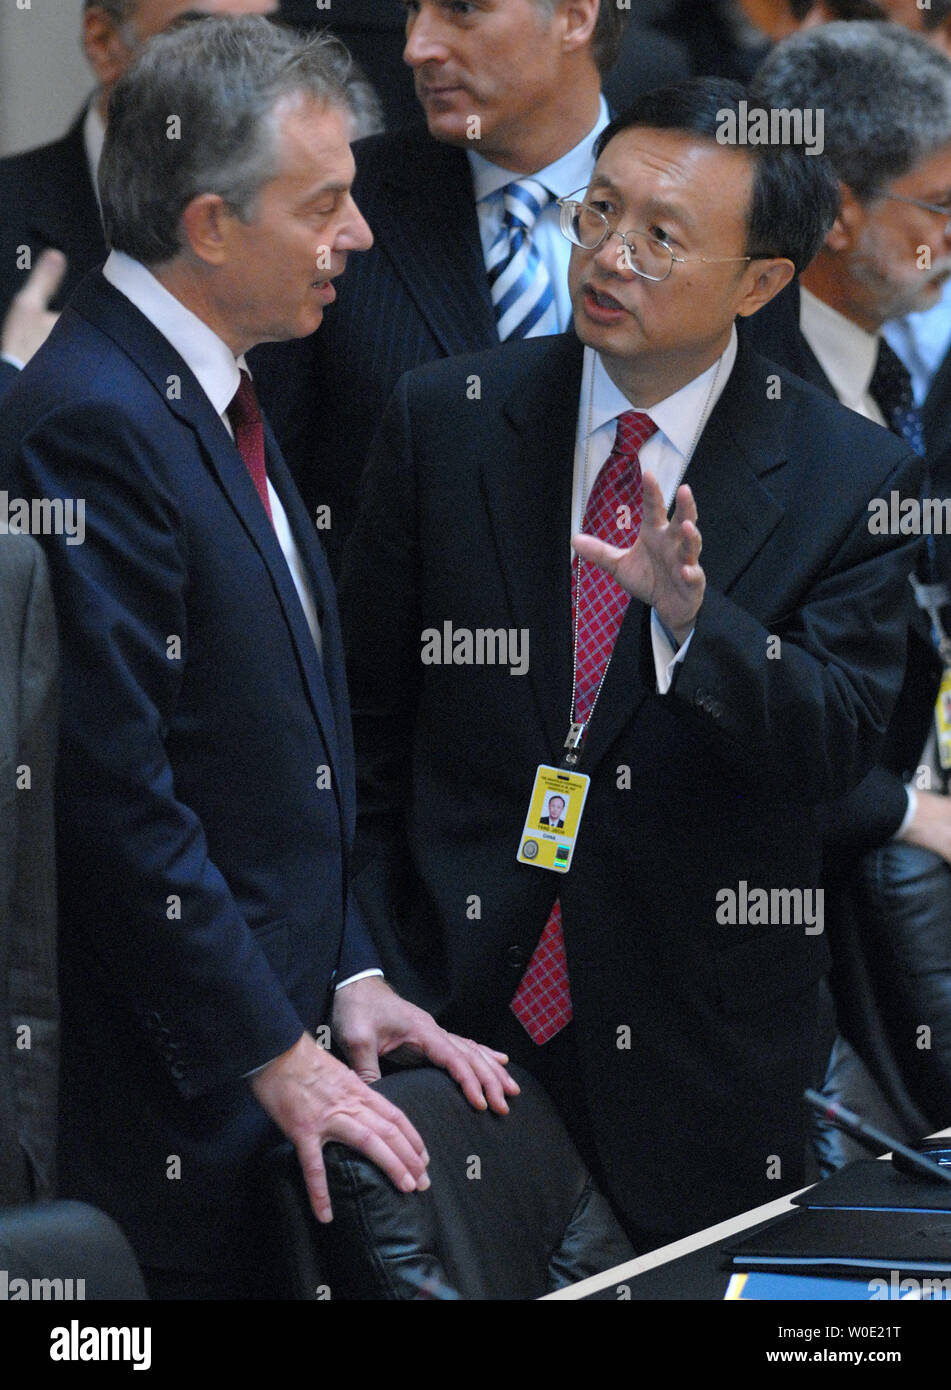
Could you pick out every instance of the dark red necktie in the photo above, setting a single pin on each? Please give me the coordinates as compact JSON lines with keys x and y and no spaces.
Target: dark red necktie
{"x":542,"y":1002}
{"x":245,"y":416}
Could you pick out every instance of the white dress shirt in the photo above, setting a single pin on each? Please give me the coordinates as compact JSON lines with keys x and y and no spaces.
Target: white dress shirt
{"x":680,"y":420}
{"x":847,"y":355}
{"x":566,"y":175}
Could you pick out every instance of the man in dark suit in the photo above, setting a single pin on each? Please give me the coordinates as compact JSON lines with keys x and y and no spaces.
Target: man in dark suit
{"x":465,"y":221}
{"x":888,"y":254}
{"x":674,"y":1027}
{"x":205,"y":794}
{"x":48,"y":195}
{"x":28,"y":999}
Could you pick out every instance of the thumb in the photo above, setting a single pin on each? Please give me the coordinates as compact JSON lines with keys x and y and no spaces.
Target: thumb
{"x":364,"y":1058}
{"x":45,"y":279}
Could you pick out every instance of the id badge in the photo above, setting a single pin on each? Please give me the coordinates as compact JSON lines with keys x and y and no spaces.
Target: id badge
{"x":554,"y":814}
{"x":942,"y":720}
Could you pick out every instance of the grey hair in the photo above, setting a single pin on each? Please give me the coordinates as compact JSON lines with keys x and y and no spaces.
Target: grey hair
{"x":885,"y":93}
{"x":196,"y":113}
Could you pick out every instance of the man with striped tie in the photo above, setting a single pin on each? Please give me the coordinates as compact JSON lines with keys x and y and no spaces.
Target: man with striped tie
{"x":699,"y":706}
{"x":465,"y":218}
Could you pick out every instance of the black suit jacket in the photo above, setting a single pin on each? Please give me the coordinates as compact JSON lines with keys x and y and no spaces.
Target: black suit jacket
{"x":871,"y":814}
{"x":47,"y":200}
{"x":203,"y":853}
{"x":694,"y":1036}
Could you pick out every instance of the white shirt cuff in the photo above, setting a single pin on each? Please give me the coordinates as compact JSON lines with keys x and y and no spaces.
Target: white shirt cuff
{"x":363,"y":975}
{"x":666,"y":658}
{"x":13,"y":361}
{"x":909,"y":814}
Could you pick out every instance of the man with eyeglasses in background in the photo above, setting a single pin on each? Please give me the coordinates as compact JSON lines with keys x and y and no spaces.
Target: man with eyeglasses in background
{"x":888,"y":254}
{"x":700,"y":708}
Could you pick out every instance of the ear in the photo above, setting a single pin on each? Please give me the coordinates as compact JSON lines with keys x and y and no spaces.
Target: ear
{"x":102,"y":43}
{"x":768,"y":278}
{"x":207,"y":226}
{"x":578,"y":18}
{"x":845,"y":230}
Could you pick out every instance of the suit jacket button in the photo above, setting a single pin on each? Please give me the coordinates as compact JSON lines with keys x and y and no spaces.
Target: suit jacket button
{"x":516,"y":957}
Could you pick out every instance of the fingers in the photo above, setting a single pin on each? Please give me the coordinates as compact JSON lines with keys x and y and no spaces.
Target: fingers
{"x":654,"y":508}
{"x":45,"y":279}
{"x":385,"y":1144}
{"x":596,"y":552}
{"x":311,"y":1160}
{"x":391,"y":1114}
{"x":483,"y":1080}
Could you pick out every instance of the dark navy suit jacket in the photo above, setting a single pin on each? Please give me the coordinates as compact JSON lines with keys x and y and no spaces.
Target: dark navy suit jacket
{"x":205,"y":794}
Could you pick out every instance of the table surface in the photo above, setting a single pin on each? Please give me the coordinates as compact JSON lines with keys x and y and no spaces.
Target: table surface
{"x":696,"y":1274}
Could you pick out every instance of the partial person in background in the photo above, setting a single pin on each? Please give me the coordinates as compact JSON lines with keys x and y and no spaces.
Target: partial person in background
{"x":50,"y":225}
{"x":889,"y":841}
{"x":467,"y":248}
{"x":28,"y":992}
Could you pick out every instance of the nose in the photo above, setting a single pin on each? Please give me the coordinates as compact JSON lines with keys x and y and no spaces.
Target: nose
{"x":610,"y":257}
{"x":355,"y":234}
{"x":424,"y":42}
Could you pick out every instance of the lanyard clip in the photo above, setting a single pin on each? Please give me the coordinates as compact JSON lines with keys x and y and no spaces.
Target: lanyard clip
{"x":573,"y":744}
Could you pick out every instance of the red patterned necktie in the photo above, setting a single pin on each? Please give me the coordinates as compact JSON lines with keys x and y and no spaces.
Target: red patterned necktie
{"x":245,"y":416}
{"x":542,"y":1002}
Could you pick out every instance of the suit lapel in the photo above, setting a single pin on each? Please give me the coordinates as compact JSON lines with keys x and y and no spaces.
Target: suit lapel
{"x":425,"y":217}
{"x":132,"y":332}
{"x":527,"y":485}
{"x":740,"y":446}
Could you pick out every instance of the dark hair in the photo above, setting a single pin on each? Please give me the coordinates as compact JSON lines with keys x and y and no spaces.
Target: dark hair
{"x":842,"y":9}
{"x":795,"y":197}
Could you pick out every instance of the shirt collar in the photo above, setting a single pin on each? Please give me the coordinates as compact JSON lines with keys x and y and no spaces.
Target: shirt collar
{"x":94,"y":135}
{"x":679,"y":416}
{"x":566,"y":175}
{"x":204,"y":353}
{"x":846,"y":353}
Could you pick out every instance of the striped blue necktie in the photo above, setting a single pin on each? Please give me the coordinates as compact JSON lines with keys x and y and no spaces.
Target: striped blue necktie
{"x":521,"y":286}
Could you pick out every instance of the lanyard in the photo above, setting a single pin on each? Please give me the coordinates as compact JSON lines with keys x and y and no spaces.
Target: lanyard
{"x":577,"y":731}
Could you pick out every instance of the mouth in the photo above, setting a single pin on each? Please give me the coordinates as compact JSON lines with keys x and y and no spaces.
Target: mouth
{"x":325,"y":289}
{"x":602,"y":307}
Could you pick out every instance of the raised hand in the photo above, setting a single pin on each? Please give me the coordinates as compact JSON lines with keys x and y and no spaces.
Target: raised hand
{"x":662,"y":567}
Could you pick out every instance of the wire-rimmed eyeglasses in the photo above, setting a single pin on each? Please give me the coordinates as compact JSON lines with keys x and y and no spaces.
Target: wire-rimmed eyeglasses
{"x":644,"y":254}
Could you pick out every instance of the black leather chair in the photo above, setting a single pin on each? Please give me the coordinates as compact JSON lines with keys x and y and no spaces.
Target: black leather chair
{"x":511,"y":1214}
{"x":54,"y":1245}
